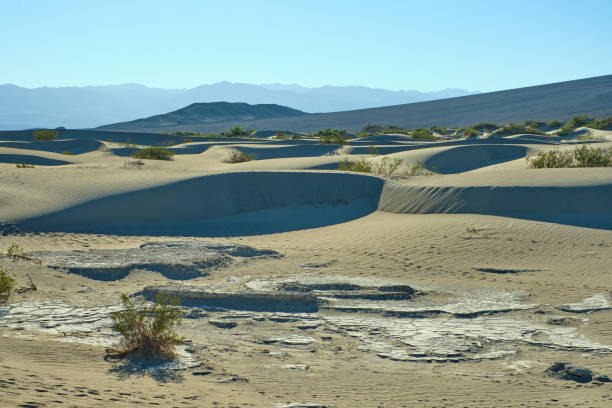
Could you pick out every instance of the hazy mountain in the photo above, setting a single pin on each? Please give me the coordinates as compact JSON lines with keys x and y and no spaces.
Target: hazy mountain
{"x":89,"y":106}
{"x":562,"y":100}
{"x":198,"y":113}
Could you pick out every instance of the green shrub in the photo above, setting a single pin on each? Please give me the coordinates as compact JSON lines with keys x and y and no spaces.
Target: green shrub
{"x":534,"y":123}
{"x":154,"y":153}
{"x":518,"y":128}
{"x":7,"y":284}
{"x":603,"y":123}
{"x":149,"y":330}
{"x":372,"y":129}
{"x":438,"y":129}
{"x":67,"y":153}
{"x":25,"y":166}
{"x":237,"y":131}
{"x":583,"y":156}
{"x":554,"y":123}
{"x":46,"y":134}
{"x":485,"y":126}
{"x":372,"y":150}
{"x":239,"y":157}
{"x":469,"y":132}
{"x":422,"y":134}
{"x":386,"y":167}
{"x":282,"y":136}
{"x":575,"y":122}
{"x":332,"y":136}
{"x":362,"y":166}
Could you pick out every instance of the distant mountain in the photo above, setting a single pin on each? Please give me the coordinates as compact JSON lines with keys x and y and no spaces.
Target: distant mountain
{"x":212,"y":112}
{"x":90,"y":106}
{"x":562,"y":100}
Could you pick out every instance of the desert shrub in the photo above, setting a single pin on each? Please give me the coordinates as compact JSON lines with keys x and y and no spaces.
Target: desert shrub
{"x":46,"y":134}
{"x":237,"y":131}
{"x":187,"y":140}
{"x":554,"y":123}
{"x":282,"y":136}
{"x":149,"y":330}
{"x":438,"y":129}
{"x":469,"y":132}
{"x":25,"y":166}
{"x":332,"y":136}
{"x":583,"y":156}
{"x":154,"y":153}
{"x":534,"y":123}
{"x":572,"y":124}
{"x":372,"y":150}
{"x":7,"y":284}
{"x":239,"y":157}
{"x":372,"y":129}
{"x":386,"y":167}
{"x":422,"y":134}
{"x":67,"y":153}
{"x":485,"y":126}
{"x":518,"y":128}
{"x":419,"y":169}
{"x":362,"y":166}
{"x":602,"y":123}
{"x":14,"y":251}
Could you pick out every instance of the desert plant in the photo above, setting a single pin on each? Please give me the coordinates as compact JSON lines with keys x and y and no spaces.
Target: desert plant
{"x":239,"y":157}
{"x":372,"y":150}
{"x":7,"y":284}
{"x":237,"y":131}
{"x":153,"y":153}
{"x":469,"y":132}
{"x":148,"y":329}
{"x":362,"y":166}
{"x":25,"y":166}
{"x":482,"y":126}
{"x":438,"y":129}
{"x":67,"y":153}
{"x":518,"y":128}
{"x":583,"y":156}
{"x":14,"y":251}
{"x":332,"y":136}
{"x":554,"y":123}
{"x":602,"y":123}
{"x":422,"y":134}
{"x":45,"y":134}
{"x":282,"y":136}
{"x":572,"y":124}
{"x":534,"y":123}
{"x":187,"y":140}
{"x":419,"y":169}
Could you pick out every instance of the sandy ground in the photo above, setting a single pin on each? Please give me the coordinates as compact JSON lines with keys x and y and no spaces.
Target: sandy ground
{"x":446,"y":255}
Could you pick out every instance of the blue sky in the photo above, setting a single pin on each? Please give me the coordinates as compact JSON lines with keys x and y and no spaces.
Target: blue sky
{"x":423,"y":45}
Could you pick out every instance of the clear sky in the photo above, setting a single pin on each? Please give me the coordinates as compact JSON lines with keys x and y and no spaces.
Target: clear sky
{"x":424,"y":45}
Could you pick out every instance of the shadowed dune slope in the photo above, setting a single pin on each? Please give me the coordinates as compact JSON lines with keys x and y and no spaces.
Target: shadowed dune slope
{"x":466,"y":158}
{"x":224,"y":204}
{"x":74,"y":146}
{"x":247,"y":203}
{"x":30,"y":159}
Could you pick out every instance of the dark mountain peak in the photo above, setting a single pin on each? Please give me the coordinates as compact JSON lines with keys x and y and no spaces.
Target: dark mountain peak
{"x":211,"y":112}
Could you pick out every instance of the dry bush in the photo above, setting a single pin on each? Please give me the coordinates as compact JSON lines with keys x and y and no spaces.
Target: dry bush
{"x":149,"y":330}
{"x":239,"y":157}
{"x":7,"y":284}
{"x":583,"y":156}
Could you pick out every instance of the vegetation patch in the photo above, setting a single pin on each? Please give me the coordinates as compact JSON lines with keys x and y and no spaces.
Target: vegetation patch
{"x":148,"y":329}
{"x":7,"y":284}
{"x":46,"y":134}
{"x":484,"y":127}
{"x":239,"y":157}
{"x":424,"y":134}
{"x":332,"y":136}
{"x":601,"y":123}
{"x":25,"y":166}
{"x":385,"y":167}
{"x":469,"y":132}
{"x":153,"y":153}
{"x":237,"y":131}
{"x":583,"y":156}
{"x":518,"y":128}
{"x":67,"y":153}
{"x":534,"y":123}
{"x":372,"y":129}
{"x":575,"y":122}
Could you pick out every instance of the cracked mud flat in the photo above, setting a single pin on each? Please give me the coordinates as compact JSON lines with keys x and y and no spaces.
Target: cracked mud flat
{"x":391,"y":319}
{"x":174,"y":260}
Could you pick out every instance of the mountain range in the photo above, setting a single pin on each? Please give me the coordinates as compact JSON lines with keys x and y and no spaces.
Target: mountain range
{"x":557,"y":101}
{"x":90,"y":106}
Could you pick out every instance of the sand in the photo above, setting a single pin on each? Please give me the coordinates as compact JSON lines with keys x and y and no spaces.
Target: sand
{"x":493,"y":250}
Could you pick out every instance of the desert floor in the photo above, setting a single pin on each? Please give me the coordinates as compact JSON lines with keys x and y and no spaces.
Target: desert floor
{"x":457,"y":289}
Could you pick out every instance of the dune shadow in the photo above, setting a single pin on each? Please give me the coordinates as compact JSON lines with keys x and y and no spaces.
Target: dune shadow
{"x":137,"y":366}
{"x":465,"y":158}
{"x":230,"y":204}
{"x":30,"y":159}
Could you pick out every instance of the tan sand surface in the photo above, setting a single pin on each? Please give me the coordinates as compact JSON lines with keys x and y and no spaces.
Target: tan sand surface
{"x":505,"y":262}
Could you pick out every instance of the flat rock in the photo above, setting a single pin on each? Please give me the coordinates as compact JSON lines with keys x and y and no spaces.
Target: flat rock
{"x":567,"y":371}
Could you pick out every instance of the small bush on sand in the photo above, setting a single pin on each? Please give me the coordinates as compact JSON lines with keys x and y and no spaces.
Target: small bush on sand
{"x":149,"y":330}
{"x":485,"y":126}
{"x":7,"y":284}
{"x":438,"y":129}
{"x":518,"y":128}
{"x":422,"y":134}
{"x":332,"y":136}
{"x":25,"y":166}
{"x":469,"y":132}
{"x":534,"y":123}
{"x":362,"y":166}
{"x":153,"y":153}
{"x":583,"y":156}
{"x":603,"y":123}
{"x":67,"y":153}
{"x":239,"y":157}
{"x":45,"y":134}
{"x":573,"y":123}
{"x":372,"y":150}
{"x":385,"y":167}
{"x":237,"y":131}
